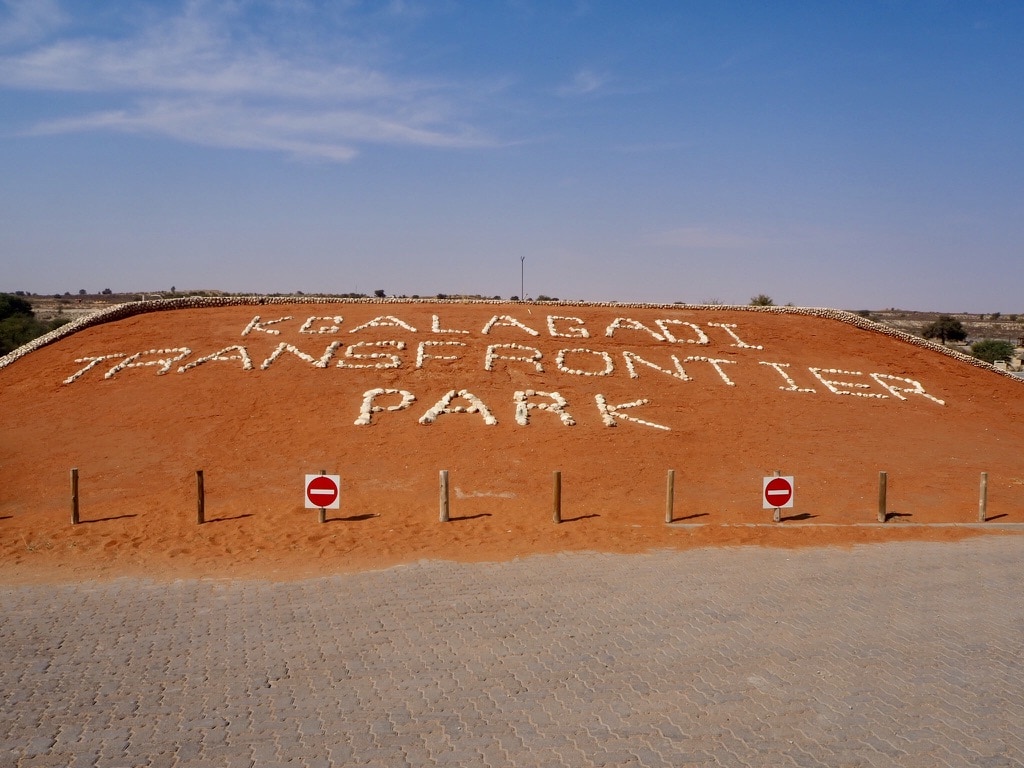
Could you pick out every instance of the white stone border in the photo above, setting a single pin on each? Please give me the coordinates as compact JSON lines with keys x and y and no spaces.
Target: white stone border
{"x":130,"y":309}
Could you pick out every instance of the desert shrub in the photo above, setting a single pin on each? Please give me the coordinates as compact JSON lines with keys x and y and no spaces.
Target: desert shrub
{"x":14,"y":305}
{"x":991,"y":350}
{"x":18,"y":323}
{"x":945,"y":328}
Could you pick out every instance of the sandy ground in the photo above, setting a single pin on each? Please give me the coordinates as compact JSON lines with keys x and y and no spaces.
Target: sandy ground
{"x":723,"y":398}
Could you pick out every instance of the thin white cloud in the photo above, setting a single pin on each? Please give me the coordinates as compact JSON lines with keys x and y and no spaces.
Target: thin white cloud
{"x":25,"y":21}
{"x":583,"y":83}
{"x":194,"y":78}
{"x":333,"y":135}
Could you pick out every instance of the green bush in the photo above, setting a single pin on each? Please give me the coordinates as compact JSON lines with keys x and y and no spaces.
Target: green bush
{"x":18,"y":323}
{"x":991,"y":350}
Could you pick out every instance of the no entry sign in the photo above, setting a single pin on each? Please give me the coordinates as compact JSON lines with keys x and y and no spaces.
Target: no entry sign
{"x":777,"y":492}
{"x":322,"y":491}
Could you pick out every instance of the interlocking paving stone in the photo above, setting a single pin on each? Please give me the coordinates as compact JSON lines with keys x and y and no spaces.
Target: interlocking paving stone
{"x":903,"y":654}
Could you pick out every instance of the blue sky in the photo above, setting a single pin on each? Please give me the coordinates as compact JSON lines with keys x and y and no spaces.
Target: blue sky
{"x":855,"y":154}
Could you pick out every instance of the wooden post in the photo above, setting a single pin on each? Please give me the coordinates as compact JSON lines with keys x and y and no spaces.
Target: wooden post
{"x":556,"y":506}
{"x":883,"y":480}
{"x":322,"y":515}
{"x":200,"y":498}
{"x":670,"y":494}
{"x":74,"y":496}
{"x":777,"y":514}
{"x":983,"y":498}
{"x":444,"y":496}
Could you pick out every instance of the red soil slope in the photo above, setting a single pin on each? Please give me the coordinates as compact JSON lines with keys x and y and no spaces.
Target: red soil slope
{"x":725,"y":397}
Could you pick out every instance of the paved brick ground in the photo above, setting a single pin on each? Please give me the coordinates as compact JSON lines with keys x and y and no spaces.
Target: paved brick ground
{"x":893,"y":655}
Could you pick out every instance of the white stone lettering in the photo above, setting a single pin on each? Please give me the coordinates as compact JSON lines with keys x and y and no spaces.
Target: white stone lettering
{"x":354,"y":353}
{"x":509,"y":321}
{"x":914,"y":387}
{"x":609,"y":366}
{"x":435,"y":326}
{"x":787,"y":378}
{"x":444,"y":405}
{"x":164,"y":363}
{"x":727,"y":327}
{"x":492,"y":355}
{"x":334,"y":328}
{"x":574,"y":331}
{"x":631,"y":357}
{"x":834,"y":386}
{"x":222,"y":356}
{"x":261,"y":325}
{"x":283,"y":347}
{"x":368,"y":408}
{"x":422,"y":355}
{"x":610,"y":413}
{"x":93,"y":362}
{"x":702,"y":338}
{"x":384,"y":321}
{"x":628,"y":322}
{"x":524,"y":406}
{"x":717,"y":365}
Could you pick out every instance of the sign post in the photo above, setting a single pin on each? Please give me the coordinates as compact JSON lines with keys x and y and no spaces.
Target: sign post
{"x":323,"y":493}
{"x":777,"y":494}
{"x":74,"y":496}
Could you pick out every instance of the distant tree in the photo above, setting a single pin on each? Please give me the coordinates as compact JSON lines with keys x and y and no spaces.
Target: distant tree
{"x":442,"y":295}
{"x":18,"y":323}
{"x":13,"y":305}
{"x":761,"y":300}
{"x":107,"y":291}
{"x":945,"y":328}
{"x":81,"y":291}
{"x":991,"y":350}
{"x":996,"y":315}
{"x":865,"y":313}
{"x":513,"y":298}
{"x":379,"y":293}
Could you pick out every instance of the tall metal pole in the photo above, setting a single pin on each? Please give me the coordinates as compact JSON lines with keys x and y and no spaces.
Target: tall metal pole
{"x":522,"y":278}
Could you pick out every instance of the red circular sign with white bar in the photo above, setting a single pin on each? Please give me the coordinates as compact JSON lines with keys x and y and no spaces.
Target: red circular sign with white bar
{"x":322,"y":491}
{"x":778,"y":492}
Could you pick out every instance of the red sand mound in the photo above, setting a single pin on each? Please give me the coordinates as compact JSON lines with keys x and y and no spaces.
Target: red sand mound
{"x":386,"y":394}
